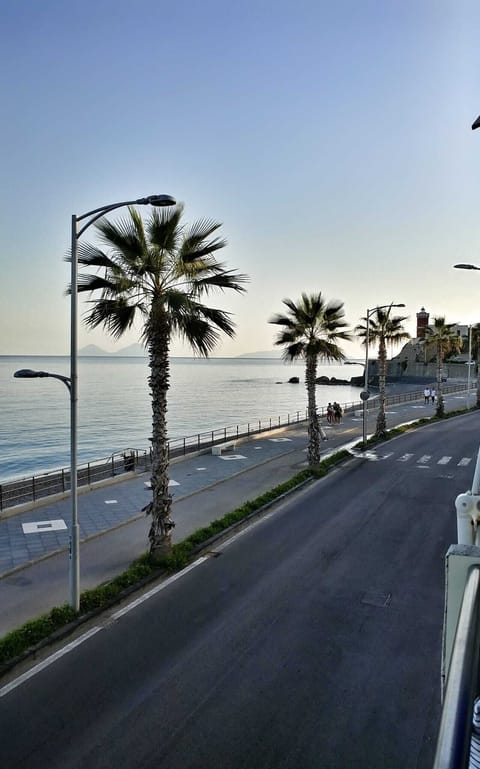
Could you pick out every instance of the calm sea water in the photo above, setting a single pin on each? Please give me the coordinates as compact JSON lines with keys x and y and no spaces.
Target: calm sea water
{"x":114,"y":404}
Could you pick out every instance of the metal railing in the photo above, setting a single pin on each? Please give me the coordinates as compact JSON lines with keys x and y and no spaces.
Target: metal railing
{"x":30,"y":489}
{"x":453,"y":744}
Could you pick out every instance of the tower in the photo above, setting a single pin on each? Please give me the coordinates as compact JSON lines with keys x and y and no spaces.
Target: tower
{"x":422,"y":322}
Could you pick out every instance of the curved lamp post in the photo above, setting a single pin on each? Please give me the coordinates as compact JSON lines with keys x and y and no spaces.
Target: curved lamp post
{"x":30,"y":373}
{"x":72,"y":381}
{"x":365,"y":394}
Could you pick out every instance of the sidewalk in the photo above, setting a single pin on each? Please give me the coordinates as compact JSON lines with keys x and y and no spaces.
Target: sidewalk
{"x":34,"y":544}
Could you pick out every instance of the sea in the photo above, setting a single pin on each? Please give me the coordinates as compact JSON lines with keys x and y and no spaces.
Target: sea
{"x":114,"y":408}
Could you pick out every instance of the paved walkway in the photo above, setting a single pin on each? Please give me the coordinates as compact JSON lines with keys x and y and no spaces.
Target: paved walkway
{"x":34,"y":544}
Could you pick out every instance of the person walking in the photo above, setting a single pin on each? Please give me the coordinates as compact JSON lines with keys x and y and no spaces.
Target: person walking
{"x":337,"y":410}
{"x":330,"y":414}
{"x":426,"y":394}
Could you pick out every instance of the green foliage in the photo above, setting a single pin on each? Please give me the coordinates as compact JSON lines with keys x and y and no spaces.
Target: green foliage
{"x":33,"y":632}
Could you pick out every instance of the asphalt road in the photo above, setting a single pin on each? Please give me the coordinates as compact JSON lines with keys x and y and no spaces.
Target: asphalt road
{"x":310,"y":641}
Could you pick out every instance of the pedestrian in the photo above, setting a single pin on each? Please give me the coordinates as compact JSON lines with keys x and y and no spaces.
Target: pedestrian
{"x":426,"y":393}
{"x":330,"y":414}
{"x":337,"y":410}
{"x":433,"y":394}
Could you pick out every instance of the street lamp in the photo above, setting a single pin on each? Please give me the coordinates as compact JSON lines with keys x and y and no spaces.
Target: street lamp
{"x":466,"y":267}
{"x":30,"y":373}
{"x":72,"y":381}
{"x":365,"y":394}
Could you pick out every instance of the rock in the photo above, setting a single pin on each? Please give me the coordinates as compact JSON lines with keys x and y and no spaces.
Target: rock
{"x":294,"y":380}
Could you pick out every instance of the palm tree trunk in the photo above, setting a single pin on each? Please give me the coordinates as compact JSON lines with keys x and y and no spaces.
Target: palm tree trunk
{"x":382,"y":378}
{"x":313,"y":421}
{"x":160,"y":534}
{"x":440,"y":411}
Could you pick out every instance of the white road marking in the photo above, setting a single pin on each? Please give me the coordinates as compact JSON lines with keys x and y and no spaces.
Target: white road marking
{"x":157,"y":588}
{"x":232,"y":456}
{"x":404,"y":457}
{"x":280,"y":440}
{"x":444,"y":461}
{"x":423,"y":460}
{"x":38,"y":527}
{"x":148,"y":484}
{"x":464,"y":461}
{"x":111,"y":501}
{"x":201,"y":468}
{"x":47,"y":662}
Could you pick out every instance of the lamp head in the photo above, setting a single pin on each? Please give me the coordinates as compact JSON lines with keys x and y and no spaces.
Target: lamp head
{"x":476,"y":124}
{"x":158,"y":200}
{"x":29,"y":373}
{"x":466,"y":267}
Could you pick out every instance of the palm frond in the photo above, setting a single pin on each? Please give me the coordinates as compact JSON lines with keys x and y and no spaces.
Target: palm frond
{"x":224,"y":280}
{"x":164,"y":229}
{"x":125,"y":238}
{"x":94,"y":283}
{"x":89,"y":255}
{"x":115,"y":315}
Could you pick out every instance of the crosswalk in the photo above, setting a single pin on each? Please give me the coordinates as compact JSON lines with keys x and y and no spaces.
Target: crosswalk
{"x":420,"y":460}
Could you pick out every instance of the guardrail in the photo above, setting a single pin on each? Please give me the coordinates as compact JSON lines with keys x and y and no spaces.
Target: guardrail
{"x":455,"y":734}
{"x":33,"y":488}
{"x":458,"y":743}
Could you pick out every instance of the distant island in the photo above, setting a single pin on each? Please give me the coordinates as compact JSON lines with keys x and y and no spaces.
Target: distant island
{"x":132,"y":351}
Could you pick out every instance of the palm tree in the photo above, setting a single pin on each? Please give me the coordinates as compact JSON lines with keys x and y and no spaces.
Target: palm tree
{"x":311,"y":330}
{"x":159,"y":270}
{"x":386,"y":330}
{"x":444,"y":342}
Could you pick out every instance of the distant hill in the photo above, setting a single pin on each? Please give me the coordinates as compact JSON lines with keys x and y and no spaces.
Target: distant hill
{"x":91,"y":349}
{"x":132,"y":351}
{"x":262,"y":354}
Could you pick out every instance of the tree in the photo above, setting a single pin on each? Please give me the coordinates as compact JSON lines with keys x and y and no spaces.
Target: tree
{"x":159,"y":271}
{"x":311,"y":330}
{"x":384,"y":330}
{"x":444,"y":342}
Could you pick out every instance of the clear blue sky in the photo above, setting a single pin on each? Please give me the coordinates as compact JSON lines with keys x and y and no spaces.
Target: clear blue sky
{"x":332,"y":139}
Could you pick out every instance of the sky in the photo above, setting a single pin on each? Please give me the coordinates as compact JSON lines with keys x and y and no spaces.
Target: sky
{"x":332,"y":140}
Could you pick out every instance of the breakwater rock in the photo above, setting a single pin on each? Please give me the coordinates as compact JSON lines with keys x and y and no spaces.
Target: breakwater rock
{"x":325,"y":380}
